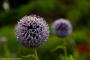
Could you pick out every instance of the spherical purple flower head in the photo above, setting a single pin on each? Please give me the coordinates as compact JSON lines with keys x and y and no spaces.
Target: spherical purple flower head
{"x":61,"y":27}
{"x":32,"y":31}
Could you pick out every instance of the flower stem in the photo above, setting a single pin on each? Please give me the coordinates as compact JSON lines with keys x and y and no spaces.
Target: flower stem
{"x":35,"y":52}
{"x":65,"y":50}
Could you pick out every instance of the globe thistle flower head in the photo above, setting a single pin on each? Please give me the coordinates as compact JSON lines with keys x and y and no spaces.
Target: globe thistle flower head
{"x":61,"y":27}
{"x":32,"y":31}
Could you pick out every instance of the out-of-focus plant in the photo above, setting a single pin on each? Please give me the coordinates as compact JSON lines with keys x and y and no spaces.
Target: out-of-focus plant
{"x":62,"y":28}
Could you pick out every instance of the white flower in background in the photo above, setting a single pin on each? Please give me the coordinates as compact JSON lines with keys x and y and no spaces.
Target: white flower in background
{"x":3,"y":40}
{"x":6,"y":6}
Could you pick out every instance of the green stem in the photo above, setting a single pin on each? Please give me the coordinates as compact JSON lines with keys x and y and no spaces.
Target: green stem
{"x":35,"y":52}
{"x":65,"y":49}
{"x":35,"y":56}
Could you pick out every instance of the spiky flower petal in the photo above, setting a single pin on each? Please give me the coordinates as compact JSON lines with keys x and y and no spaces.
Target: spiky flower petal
{"x":32,"y":31}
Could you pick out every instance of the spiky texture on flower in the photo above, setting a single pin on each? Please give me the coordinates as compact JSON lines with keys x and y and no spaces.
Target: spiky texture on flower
{"x":32,"y":31}
{"x":61,"y":27}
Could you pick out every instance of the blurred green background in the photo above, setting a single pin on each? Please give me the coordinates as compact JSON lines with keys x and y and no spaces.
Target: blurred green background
{"x":78,"y":43}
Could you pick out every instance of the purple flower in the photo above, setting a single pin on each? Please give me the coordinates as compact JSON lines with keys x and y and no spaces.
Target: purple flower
{"x":32,"y":31}
{"x":61,"y":27}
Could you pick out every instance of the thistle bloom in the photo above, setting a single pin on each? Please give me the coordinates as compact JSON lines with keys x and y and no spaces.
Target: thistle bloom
{"x":61,"y":27}
{"x":32,"y":31}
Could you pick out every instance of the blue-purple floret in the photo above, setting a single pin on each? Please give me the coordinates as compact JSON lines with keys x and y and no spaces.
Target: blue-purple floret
{"x":32,"y":31}
{"x":61,"y":27}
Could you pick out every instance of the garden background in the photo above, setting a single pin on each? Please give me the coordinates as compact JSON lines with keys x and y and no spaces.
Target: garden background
{"x":76,"y":11}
